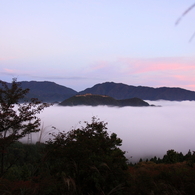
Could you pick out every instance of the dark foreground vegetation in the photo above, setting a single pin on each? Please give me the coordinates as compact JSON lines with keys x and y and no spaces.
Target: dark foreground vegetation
{"x":64,"y":166}
{"x":83,"y":161}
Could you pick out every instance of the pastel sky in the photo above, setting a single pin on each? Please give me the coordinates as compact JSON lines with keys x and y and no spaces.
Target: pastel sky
{"x":79,"y":43}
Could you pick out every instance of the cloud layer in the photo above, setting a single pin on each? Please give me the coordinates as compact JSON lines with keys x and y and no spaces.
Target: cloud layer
{"x":145,"y":131}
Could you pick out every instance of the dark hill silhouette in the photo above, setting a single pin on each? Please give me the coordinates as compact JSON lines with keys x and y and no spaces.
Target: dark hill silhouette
{"x":47,"y":91}
{"x":96,"y":100}
{"x":51,"y":92}
{"x":122,"y":91}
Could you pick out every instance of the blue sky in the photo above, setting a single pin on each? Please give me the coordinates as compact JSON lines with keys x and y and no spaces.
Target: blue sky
{"x":79,"y":43}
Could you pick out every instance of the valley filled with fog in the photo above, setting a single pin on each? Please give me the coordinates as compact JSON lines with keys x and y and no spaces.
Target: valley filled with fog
{"x":145,"y":131}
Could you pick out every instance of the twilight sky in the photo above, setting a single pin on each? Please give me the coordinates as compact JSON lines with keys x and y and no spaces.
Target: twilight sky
{"x":79,"y":43}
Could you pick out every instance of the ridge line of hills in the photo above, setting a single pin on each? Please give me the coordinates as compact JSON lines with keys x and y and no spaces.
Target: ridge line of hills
{"x":48,"y":91}
{"x":101,"y":100}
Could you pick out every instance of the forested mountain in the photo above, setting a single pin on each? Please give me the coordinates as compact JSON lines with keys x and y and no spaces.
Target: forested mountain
{"x":96,"y":100}
{"x":122,"y":91}
{"x":51,"y":92}
{"x":47,"y":91}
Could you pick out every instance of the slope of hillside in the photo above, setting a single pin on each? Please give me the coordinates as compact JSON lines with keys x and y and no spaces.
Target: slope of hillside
{"x":96,"y":100}
{"x":51,"y":92}
{"x":122,"y":91}
{"x":47,"y":91}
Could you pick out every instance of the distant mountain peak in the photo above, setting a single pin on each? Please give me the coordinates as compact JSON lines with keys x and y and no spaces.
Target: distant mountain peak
{"x":47,"y":91}
{"x":124,"y":91}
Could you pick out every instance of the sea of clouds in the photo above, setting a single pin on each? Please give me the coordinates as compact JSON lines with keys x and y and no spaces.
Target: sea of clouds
{"x":145,"y":131}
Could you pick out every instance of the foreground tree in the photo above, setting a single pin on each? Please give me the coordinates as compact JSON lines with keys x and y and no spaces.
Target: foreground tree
{"x":88,"y":160}
{"x":16,"y":119}
{"x":171,"y":157}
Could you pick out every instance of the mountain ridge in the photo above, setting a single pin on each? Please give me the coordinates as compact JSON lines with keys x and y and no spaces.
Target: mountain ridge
{"x":124,"y":91}
{"x":101,"y":100}
{"x":48,"y":91}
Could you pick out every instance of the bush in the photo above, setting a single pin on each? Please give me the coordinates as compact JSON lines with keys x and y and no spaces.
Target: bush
{"x":88,"y":160}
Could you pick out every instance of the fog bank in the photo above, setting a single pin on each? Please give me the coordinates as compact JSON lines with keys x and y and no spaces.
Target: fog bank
{"x":145,"y":131}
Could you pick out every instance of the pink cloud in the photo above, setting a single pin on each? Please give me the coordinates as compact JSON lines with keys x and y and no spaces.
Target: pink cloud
{"x":192,"y":87}
{"x":182,"y":80}
{"x":180,"y":77}
{"x":9,"y":70}
{"x":7,"y":58}
{"x":138,"y":66}
{"x":156,"y":72}
{"x":105,"y":68}
{"x":185,"y":78}
{"x":100,"y":65}
{"x":13,"y":72}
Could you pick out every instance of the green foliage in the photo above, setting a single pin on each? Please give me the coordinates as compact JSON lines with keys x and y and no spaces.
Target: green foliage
{"x":171,"y":157}
{"x":23,"y":160}
{"x":45,"y":169}
{"x":152,"y":178}
{"x":16,"y":119}
{"x":37,"y":172}
{"x":88,"y":160}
